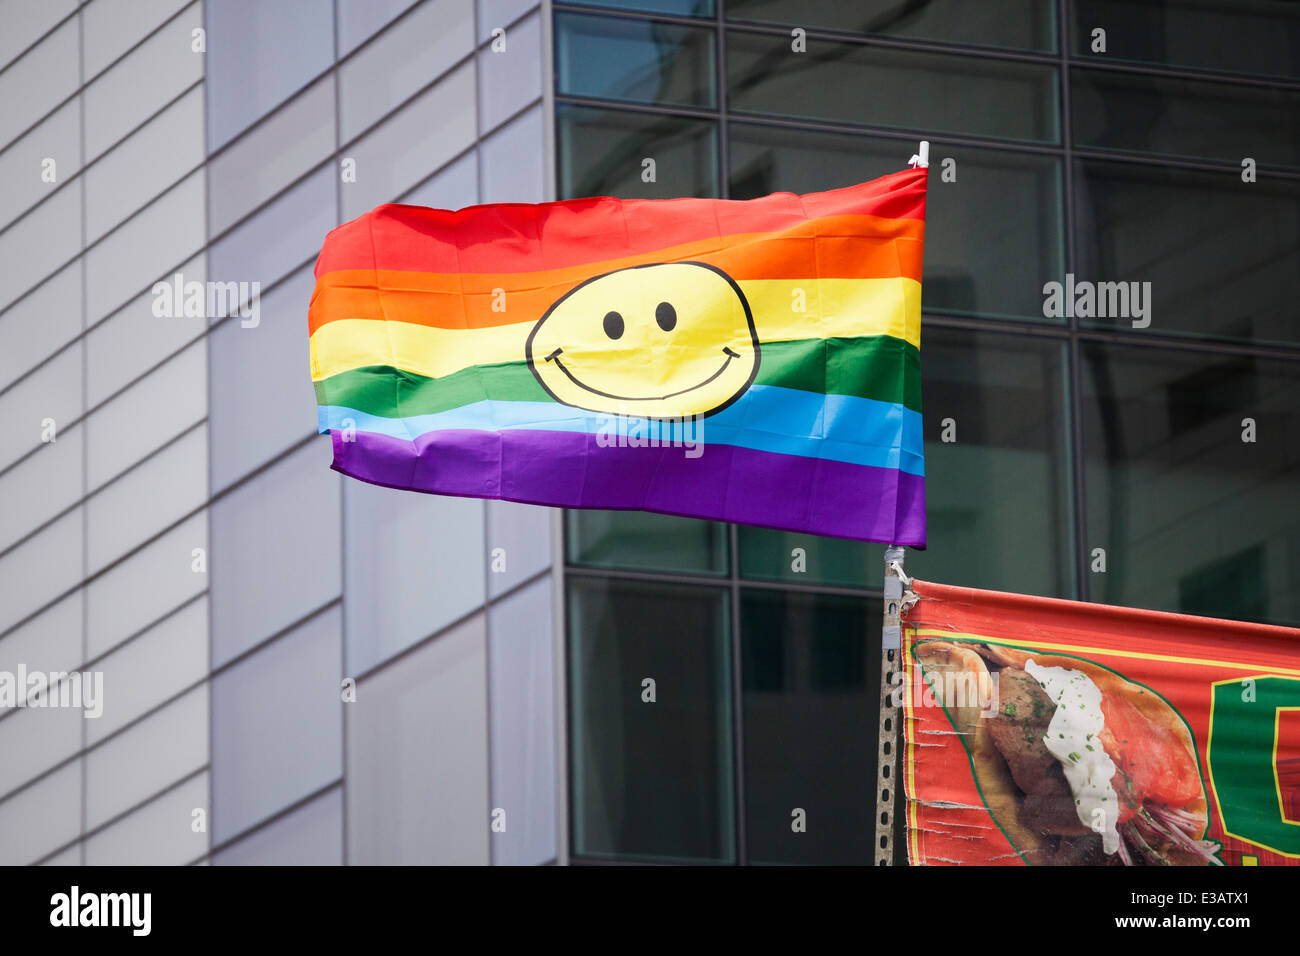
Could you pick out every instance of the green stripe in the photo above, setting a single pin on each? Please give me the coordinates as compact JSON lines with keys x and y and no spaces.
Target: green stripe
{"x":878,"y":367}
{"x":394,"y":393}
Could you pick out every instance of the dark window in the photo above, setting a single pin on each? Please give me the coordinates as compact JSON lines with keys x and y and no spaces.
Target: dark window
{"x":1018,"y":24}
{"x":1178,"y":494}
{"x":811,"y":672}
{"x":996,"y":466}
{"x":634,"y":60}
{"x":1221,"y":256}
{"x":869,"y":86}
{"x":1244,"y":36}
{"x":604,"y":153}
{"x":651,"y":780}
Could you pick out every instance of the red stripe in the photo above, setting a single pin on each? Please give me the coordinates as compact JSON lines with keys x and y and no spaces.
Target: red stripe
{"x":520,"y":237}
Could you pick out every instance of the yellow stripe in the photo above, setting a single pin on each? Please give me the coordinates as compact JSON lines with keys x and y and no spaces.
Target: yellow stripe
{"x":910,"y":795}
{"x":833,"y":307}
{"x":843,"y":307}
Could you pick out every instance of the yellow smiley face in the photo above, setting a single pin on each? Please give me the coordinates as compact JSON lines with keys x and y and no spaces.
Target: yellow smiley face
{"x":657,"y":341}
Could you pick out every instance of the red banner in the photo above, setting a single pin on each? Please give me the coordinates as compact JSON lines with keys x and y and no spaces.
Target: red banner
{"x":1049,"y":732}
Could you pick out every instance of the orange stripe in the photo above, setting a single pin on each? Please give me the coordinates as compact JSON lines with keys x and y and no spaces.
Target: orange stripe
{"x":841,"y":247}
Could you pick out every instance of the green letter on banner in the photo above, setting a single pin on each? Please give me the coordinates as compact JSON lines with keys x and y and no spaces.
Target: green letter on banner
{"x":1242,"y":755}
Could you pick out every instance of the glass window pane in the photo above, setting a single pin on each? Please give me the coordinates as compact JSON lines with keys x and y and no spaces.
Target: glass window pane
{"x":811,"y":677}
{"x":276,"y":550}
{"x":144,"y":164}
{"x":280,"y":237}
{"x":1192,"y":517}
{"x":523,"y":533}
{"x":161,"y":749}
{"x":767,"y":555}
{"x":521,"y":675}
{"x":510,"y":79}
{"x":114,"y":26}
{"x":157,"y":665}
{"x":404,"y":784}
{"x":71,"y":856}
{"x":51,"y":641}
{"x":133,"y":594}
{"x":602,"y":153}
{"x":146,"y":80}
{"x":500,"y":13}
{"x":44,"y":76}
{"x":40,"y":486}
{"x":40,"y":242}
{"x":145,"y":248}
{"x":651,"y":781}
{"x":312,"y":835}
{"x":158,"y":834}
{"x":41,"y":818}
{"x":638,"y":540}
{"x":146,"y":499}
{"x":681,"y":8}
{"x":404,"y":149}
{"x":1018,"y":24}
{"x":266,"y":160}
{"x":259,"y":54}
{"x":998,"y":494}
{"x":1168,"y":116}
{"x":147,"y":415}
{"x":41,"y":568}
{"x":277,"y":726}
{"x":40,"y":323}
{"x":514,"y":170}
{"x":407,"y":56}
{"x":1002,"y":229}
{"x":262,"y":398}
{"x":133,"y":340}
{"x":26,"y":21}
{"x":1245,"y":36}
{"x":358,"y":20}
{"x":415,"y":563}
{"x":634,"y":60}
{"x":50,"y":392}
{"x":452,"y":187}
{"x":892,"y":88}
{"x":57,"y":137}
{"x":34,"y":739}
{"x":1220,"y":256}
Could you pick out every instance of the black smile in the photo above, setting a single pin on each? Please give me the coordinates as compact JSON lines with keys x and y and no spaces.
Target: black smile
{"x":555,"y":356}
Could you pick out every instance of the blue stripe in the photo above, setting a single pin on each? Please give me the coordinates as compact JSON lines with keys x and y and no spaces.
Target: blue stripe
{"x":787,"y":421}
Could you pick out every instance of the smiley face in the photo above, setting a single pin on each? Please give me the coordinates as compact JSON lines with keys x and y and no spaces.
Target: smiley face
{"x":665,"y":340}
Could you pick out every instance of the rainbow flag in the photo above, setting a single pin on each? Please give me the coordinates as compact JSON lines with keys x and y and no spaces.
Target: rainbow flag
{"x":755,"y":362}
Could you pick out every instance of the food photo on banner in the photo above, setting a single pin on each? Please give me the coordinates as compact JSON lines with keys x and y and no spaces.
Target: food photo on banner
{"x":1046,"y":732}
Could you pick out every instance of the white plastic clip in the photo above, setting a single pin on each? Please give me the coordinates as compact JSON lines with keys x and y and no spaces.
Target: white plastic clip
{"x":922,"y":159}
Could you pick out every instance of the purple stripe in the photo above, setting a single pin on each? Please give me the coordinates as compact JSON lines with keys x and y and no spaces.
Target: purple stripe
{"x":725,"y":483}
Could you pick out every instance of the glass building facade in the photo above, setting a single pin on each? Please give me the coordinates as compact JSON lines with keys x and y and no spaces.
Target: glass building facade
{"x":296,"y":669}
{"x":303,"y":669}
{"x":1073,"y":443}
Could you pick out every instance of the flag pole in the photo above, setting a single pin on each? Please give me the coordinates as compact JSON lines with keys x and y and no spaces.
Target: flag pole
{"x":891,"y":643}
{"x":890,"y":713}
{"x":891,"y":649}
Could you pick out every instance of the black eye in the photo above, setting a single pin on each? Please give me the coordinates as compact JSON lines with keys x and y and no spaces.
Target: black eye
{"x":613,"y":324}
{"x":666,"y":316}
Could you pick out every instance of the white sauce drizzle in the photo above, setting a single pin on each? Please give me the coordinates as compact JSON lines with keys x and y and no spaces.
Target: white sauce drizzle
{"x":1073,"y":739}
